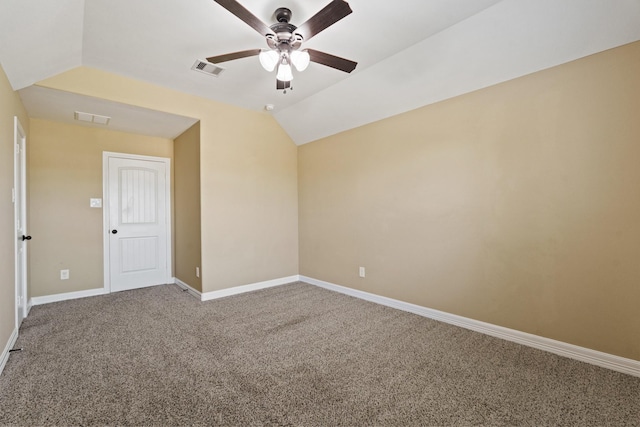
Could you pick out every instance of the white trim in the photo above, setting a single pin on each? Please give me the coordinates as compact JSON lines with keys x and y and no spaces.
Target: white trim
{"x":105,"y":223}
{"x":5,"y":353}
{"x":248,"y":288}
{"x":187,"y":288}
{"x":106,"y":155}
{"x":598,"y":358}
{"x":67,"y":296}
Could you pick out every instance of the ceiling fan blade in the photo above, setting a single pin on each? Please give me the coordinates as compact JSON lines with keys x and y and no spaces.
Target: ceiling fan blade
{"x":249,"y":18}
{"x":231,"y":56}
{"x":280,"y":85}
{"x":332,"y":61}
{"x":332,"y":13}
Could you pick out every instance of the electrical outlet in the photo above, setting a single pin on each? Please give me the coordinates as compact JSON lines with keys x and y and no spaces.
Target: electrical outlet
{"x":64,"y":274}
{"x":361,"y":272}
{"x":197,"y":271}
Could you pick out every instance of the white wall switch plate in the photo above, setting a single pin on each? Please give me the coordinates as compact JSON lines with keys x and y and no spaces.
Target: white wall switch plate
{"x":95,"y":203}
{"x":361,"y":272}
{"x":64,"y":274}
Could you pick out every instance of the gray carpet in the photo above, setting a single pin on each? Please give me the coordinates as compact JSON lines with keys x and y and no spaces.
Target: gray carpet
{"x":284,"y":356}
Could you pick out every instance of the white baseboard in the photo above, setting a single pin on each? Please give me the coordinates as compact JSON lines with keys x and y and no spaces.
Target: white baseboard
{"x":66,"y":296}
{"x":188,"y":288}
{"x":605,"y":360}
{"x":201,"y":296}
{"x":248,"y":288}
{"x":5,"y":353}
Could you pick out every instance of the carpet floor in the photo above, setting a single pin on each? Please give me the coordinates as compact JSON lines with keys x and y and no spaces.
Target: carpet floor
{"x":292,"y":355}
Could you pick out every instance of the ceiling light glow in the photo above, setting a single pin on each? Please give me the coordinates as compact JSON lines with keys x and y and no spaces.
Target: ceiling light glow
{"x":285,"y":73}
{"x":300,"y":59}
{"x":269,"y":59}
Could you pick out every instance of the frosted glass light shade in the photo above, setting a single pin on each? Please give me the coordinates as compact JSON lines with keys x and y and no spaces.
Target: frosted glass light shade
{"x":284,"y":72}
{"x":300,"y":59}
{"x":269,"y":59}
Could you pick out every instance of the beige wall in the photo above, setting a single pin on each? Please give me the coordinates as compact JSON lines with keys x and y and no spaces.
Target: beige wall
{"x":248,"y":178}
{"x":10,"y":106}
{"x":65,"y":171}
{"x":187,"y":255}
{"x":517,"y":205}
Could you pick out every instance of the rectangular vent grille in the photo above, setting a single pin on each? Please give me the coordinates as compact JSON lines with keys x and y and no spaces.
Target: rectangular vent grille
{"x":207,"y":68}
{"x":91,"y":118}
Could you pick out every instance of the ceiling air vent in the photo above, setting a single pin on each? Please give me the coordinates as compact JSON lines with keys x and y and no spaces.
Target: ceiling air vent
{"x":207,"y":68}
{"x":91,"y":118}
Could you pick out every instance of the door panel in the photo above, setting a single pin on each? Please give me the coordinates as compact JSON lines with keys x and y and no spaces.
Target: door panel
{"x":138,"y":195}
{"x":138,"y":223}
{"x":138,"y":254}
{"x":20,"y":201}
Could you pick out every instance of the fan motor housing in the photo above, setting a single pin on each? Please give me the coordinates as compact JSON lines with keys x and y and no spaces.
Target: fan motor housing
{"x":283,"y":27}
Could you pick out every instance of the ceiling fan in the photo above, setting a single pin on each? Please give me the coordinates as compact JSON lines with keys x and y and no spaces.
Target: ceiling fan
{"x":285,"y":40}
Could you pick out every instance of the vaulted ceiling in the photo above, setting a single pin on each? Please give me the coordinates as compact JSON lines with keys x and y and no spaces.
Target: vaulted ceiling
{"x":410,"y":53}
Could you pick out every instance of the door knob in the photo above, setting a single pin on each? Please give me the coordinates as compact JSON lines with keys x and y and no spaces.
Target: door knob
{"x":25,"y":237}
{"x":114,"y":231}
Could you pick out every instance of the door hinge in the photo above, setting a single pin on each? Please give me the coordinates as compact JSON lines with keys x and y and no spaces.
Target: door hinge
{"x":13,"y":195}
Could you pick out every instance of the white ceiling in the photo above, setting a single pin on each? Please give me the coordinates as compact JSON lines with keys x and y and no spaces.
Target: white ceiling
{"x":410,"y":53}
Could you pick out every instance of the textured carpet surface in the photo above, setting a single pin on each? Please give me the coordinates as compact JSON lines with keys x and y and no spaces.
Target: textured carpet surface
{"x":287,"y":356}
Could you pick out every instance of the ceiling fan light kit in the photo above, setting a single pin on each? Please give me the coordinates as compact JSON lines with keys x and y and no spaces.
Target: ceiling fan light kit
{"x":300,"y":59}
{"x":269,"y":59}
{"x":285,"y":73}
{"x":285,"y":39}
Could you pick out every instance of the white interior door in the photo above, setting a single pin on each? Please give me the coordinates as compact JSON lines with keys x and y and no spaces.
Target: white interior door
{"x":138,"y":194}
{"x":20,"y":210}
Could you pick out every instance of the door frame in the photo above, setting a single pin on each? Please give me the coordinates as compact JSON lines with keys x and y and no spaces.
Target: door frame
{"x":106,"y":155}
{"x":20,"y":215}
